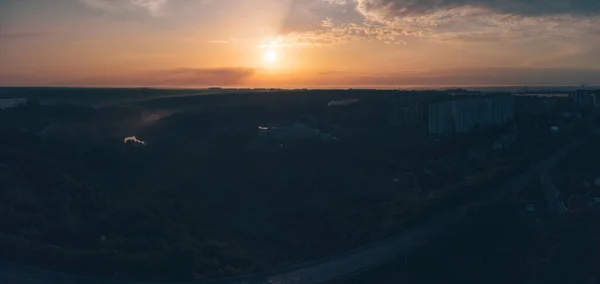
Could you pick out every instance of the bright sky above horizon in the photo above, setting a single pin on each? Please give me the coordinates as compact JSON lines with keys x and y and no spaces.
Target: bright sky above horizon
{"x":299,"y":43}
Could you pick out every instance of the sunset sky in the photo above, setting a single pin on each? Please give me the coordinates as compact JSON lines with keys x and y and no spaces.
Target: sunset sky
{"x":299,"y":43}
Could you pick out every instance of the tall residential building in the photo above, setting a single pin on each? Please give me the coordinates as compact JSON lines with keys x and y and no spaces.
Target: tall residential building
{"x":406,"y":114}
{"x":464,"y":114}
{"x":441,"y":119}
{"x":469,"y":113}
{"x":586,"y":98}
{"x":503,"y":109}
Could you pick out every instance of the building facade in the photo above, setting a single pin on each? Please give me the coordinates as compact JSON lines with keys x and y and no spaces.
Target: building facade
{"x":586,"y":98}
{"x":406,"y":114}
{"x":465,"y":114}
{"x":440,"y":118}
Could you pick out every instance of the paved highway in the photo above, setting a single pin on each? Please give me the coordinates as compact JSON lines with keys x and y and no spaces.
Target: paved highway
{"x":335,"y":267}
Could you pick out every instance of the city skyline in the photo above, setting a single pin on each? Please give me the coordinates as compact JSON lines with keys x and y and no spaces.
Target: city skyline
{"x":299,"y":43}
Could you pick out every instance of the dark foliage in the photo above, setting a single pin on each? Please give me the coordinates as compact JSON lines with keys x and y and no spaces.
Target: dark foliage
{"x":204,"y":198}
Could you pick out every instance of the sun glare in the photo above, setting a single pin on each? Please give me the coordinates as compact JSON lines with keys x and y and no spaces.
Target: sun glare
{"x":271,"y":57}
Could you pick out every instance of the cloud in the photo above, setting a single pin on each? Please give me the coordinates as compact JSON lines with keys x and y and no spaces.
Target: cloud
{"x":9,"y":79}
{"x":327,"y":23}
{"x":154,"y":7}
{"x":179,"y":77}
{"x":393,"y":9}
{"x":202,"y":77}
{"x":494,"y":27}
{"x":335,"y":2}
{"x":486,"y":20}
{"x":8,"y":35}
{"x":471,"y":21}
{"x":473,"y":77}
{"x":330,"y":34}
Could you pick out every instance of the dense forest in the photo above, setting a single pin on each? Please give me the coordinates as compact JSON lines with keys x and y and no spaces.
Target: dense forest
{"x":204,"y":197}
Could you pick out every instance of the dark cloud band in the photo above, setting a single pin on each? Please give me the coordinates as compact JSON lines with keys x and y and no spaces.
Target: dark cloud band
{"x":389,"y":9}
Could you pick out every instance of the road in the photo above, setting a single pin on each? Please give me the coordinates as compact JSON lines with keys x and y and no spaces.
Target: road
{"x":335,"y":267}
{"x":552,"y":195}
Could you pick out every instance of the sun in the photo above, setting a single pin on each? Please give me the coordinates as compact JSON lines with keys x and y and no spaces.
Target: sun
{"x":271,"y":56}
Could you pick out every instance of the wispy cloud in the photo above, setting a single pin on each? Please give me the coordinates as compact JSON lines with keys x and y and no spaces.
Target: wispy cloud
{"x":336,"y":2}
{"x":327,"y":23}
{"x":195,"y":76}
{"x":9,"y":35}
{"x":178,"y":77}
{"x":154,"y":7}
{"x":393,"y":9}
{"x":233,"y":76}
{"x":330,"y":34}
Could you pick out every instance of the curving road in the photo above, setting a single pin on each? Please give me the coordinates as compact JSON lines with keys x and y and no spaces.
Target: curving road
{"x":332,"y":268}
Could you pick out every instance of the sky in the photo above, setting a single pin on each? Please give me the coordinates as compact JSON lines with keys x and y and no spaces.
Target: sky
{"x":299,"y":43}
